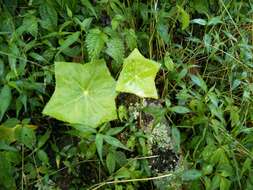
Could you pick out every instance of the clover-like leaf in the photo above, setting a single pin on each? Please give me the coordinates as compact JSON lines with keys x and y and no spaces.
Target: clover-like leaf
{"x":138,"y":76}
{"x":84,"y":94}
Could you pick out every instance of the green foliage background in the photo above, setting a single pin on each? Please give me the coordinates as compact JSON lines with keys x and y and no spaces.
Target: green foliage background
{"x":205,"y":85}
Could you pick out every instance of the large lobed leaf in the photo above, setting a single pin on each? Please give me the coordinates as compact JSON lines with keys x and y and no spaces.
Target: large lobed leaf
{"x":84,"y":94}
{"x":138,"y":76}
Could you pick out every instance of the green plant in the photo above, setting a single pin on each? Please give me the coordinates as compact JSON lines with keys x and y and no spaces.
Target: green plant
{"x":85,"y":94}
{"x":204,"y":89}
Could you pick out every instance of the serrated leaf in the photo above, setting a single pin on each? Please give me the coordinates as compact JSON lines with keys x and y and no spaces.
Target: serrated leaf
{"x":115,"y":49}
{"x":84,"y":94}
{"x":5,"y":97}
{"x":138,"y":75}
{"x":95,"y":42}
{"x":190,"y":175}
{"x":131,"y":39}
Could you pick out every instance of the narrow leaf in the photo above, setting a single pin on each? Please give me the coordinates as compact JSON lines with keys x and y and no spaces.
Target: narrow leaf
{"x":180,"y":109}
{"x":176,"y":138}
{"x":199,"y":81}
{"x":185,"y":18}
{"x":69,"y":41}
{"x":114,"y":142}
{"x":5,"y":97}
{"x":110,"y":162}
{"x":99,"y":145}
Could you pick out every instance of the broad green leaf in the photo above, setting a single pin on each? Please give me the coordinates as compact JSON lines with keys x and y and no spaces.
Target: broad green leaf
{"x":84,"y":94}
{"x":7,"y":133}
{"x":138,"y":75}
{"x":184,"y":18}
{"x":5,"y":97}
{"x":111,"y":162}
{"x":26,"y":136}
{"x":99,"y":145}
{"x":190,"y":175}
{"x":42,"y":155}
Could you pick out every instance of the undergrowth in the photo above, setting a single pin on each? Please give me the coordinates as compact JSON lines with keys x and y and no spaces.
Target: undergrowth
{"x":204,"y":87}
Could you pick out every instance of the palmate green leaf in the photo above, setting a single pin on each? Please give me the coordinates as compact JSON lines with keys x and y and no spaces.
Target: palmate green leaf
{"x":138,"y":75}
{"x":84,"y":94}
